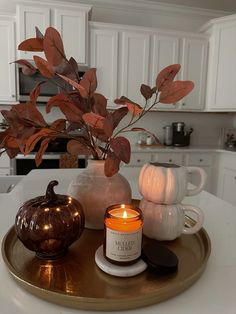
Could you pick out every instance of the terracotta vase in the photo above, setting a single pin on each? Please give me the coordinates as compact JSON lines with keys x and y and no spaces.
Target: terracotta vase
{"x":96,"y":192}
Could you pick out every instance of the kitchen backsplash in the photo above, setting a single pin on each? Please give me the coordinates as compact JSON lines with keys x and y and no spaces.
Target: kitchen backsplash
{"x":208,"y":128}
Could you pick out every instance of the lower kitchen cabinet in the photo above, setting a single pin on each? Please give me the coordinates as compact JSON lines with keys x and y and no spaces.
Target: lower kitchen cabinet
{"x":207,"y":162}
{"x":5,"y":165}
{"x":226,"y":183}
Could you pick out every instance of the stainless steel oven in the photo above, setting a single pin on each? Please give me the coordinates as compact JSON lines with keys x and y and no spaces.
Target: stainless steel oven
{"x":51,"y":159}
{"x":22,"y":165}
{"x":50,"y":88}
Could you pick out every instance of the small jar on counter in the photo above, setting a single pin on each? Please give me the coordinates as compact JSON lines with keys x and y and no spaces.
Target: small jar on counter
{"x":149,"y":140}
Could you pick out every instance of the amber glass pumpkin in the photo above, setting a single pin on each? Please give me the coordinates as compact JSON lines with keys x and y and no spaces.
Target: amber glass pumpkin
{"x":49,"y":224}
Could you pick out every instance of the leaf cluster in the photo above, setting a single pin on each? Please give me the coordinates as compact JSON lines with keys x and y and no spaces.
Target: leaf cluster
{"x":84,"y":109}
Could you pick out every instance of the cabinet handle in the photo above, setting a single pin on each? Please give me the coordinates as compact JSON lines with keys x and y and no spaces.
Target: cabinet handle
{"x":138,"y":160}
{"x":170,"y":160}
{"x":200,"y":160}
{"x":13,"y":96}
{"x":234,"y":178}
{"x":183,"y":104}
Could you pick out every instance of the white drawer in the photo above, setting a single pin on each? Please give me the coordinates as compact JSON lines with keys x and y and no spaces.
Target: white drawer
{"x":139,"y":159}
{"x":4,"y":171}
{"x":4,"y":160}
{"x":199,"y":159}
{"x":174,"y":158}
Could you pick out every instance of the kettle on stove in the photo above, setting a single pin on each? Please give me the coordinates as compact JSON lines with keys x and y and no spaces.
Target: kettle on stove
{"x":181,"y":137}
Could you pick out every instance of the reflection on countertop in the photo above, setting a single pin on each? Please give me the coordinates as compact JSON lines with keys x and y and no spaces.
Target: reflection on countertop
{"x":191,"y":148}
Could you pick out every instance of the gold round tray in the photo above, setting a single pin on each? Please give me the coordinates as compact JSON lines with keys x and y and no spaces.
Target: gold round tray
{"x":75,"y":280}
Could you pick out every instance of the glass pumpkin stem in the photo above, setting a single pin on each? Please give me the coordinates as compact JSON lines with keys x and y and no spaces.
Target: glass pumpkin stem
{"x":50,"y":194}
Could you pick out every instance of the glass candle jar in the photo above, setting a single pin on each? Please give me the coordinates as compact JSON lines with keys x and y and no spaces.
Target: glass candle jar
{"x":123,"y":234}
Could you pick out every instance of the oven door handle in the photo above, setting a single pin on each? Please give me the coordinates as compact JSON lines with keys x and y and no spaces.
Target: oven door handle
{"x":32,"y":156}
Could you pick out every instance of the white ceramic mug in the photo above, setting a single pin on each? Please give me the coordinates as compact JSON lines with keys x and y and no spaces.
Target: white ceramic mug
{"x":164,"y":183}
{"x":167,"y":222}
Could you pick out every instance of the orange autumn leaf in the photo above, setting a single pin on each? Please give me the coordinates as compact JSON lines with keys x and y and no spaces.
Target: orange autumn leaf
{"x":111,"y":166}
{"x":166,"y":76}
{"x":53,"y":47}
{"x":31,"y":44}
{"x":121,"y":148}
{"x":75,"y":148}
{"x":175,"y":91}
{"x":33,"y":139}
{"x":134,"y":108}
{"x":76,"y":85}
{"x":89,"y":81}
{"x":27,"y":67}
{"x":94,"y":120}
{"x":44,"y":67}
{"x":42,"y":149}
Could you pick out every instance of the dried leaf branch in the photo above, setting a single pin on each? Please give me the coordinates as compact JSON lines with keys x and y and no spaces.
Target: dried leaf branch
{"x":84,"y":109}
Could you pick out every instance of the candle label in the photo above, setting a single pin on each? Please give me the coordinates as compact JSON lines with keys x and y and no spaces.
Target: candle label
{"x":123,"y":246}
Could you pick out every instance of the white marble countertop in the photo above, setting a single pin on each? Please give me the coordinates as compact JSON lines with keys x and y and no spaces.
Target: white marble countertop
{"x":135,"y":148}
{"x":213,"y":293}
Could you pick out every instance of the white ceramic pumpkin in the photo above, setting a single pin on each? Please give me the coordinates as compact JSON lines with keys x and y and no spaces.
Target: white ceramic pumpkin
{"x":167,"y":222}
{"x":164,"y":183}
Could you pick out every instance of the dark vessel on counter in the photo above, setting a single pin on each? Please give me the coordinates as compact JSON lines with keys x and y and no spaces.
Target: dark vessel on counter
{"x":181,"y":137}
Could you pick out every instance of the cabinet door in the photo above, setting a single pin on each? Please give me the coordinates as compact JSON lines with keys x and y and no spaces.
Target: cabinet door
{"x":172,"y":158}
{"x":134,"y":64}
{"x":104,"y":57}
{"x":165,"y":52}
{"x":27,"y":18}
{"x":204,"y":161}
{"x":7,"y":70}
{"x":194,"y":68}
{"x":72,"y":25}
{"x":227,"y":185}
{"x":221,"y":82}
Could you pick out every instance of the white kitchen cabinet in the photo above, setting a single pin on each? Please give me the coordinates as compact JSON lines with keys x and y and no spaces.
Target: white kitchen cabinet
{"x":72,"y":24}
{"x":128,"y":56}
{"x":226,"y":187}
{"x":71,"y":20}
{"x":176,"y":158}
{"x":134,"y":64}
{"x":104,"y":57}
{"x":139,"y":159}
{"x":221,"y":80}
{"x":7,"y":70}
{"x":193,"y":67}
{"x":165,"y":52}
{"x":205,"y":161}
{"x":29,"y":16}
{"x":5,"y":165}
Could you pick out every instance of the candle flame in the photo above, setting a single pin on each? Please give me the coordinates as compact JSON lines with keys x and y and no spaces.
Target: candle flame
{"x":125,"y":214}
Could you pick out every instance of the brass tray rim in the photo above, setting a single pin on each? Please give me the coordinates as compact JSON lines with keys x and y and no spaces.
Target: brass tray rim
{"x":105,"y":304}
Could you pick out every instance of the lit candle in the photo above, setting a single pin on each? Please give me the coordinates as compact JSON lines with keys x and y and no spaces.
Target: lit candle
{"x":123,"y":234}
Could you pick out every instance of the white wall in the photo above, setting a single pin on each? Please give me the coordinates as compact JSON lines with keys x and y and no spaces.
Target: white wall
{"x":139,"y":12}
{"x":207,"y":126}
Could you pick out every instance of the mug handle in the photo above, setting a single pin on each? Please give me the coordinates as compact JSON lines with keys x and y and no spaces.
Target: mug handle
{"x":199,"y":222}
{"x":203,"y":178}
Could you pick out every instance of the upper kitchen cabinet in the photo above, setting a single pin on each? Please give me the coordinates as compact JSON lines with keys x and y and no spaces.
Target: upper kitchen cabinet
{"x":29,"y":16}
{"x":7,"y":79}
{"x":104,"y":57}
{"x":194,"y":68}
{"x":221,"y":81}
{"x":134,"y":64}
{"x":72,"y":24}
{"x":71,"y":20}
{"x":165,"y":52}
{"x":128,"y":56}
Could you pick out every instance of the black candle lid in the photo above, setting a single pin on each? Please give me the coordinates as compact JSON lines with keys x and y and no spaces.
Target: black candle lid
{"x":159,"y":258}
